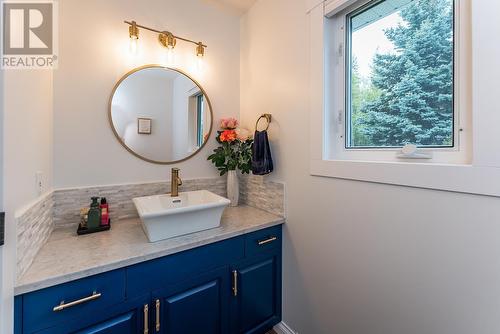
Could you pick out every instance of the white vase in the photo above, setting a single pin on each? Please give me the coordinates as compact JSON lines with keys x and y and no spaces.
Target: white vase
{"x":233,"y":187}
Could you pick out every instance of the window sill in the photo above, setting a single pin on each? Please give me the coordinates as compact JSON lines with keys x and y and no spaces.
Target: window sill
{"x":456,"y":178}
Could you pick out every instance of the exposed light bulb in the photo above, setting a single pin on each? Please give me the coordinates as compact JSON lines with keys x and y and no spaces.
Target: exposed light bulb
{"x":133,"y":32}
{"x":199,"y":64}
{"x":170,"y":57}
{"x":133,"y":45}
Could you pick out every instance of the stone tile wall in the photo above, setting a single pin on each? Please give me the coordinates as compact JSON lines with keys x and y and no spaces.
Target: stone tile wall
{"x":261,"y":193}
{"x":35,"y":223}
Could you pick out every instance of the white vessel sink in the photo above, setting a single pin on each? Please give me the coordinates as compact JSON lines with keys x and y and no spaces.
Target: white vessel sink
{"x":164,"y":217}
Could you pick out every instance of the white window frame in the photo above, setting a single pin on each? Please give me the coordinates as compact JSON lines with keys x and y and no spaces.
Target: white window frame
{"x":473,"y":167}
{"x":335,"y":62}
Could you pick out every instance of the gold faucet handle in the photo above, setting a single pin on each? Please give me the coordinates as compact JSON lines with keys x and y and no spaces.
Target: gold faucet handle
{"x":179,"y":181}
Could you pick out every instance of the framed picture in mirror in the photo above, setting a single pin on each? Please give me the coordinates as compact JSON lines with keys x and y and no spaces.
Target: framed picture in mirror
{"x":144,"y":126}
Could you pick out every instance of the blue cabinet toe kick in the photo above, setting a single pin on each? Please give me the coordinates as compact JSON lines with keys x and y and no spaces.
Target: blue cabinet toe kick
{"x":231,"y":286}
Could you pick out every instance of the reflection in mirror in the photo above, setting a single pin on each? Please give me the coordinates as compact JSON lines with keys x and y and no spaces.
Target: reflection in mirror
{"x":160,"y":114}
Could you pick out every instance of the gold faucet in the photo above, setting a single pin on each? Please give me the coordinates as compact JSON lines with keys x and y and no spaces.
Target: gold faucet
{"x":175,"y":182}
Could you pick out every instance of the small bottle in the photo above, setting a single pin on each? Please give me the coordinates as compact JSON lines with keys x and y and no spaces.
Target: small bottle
{"x":84,"y":216}
{"x":104,"y":212}
{"x":94,"y":214}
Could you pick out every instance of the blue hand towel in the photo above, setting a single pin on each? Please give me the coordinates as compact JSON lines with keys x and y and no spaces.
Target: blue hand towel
{"x":262,"y":161}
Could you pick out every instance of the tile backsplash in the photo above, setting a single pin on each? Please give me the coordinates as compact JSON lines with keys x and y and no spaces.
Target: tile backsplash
{"x":261,"y":193}
{"x":35,"y":223}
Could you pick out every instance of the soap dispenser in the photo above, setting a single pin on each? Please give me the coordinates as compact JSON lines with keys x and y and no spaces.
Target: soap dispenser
{"x":104,"y":212}
{"x":94,"y":215}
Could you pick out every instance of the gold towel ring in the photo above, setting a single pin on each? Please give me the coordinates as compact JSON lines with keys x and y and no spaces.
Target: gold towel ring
{"x":268,"y":118}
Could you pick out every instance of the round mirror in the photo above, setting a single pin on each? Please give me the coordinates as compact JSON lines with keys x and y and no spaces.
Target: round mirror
{"x":160,"y":114}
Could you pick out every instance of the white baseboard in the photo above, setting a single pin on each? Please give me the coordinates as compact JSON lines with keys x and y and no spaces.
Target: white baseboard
{"x":283,"y":328}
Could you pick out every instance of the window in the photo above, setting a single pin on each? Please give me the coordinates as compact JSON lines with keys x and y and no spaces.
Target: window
{"x":199,"y":120}
{"x":391,"y":80}
{"x":470,"y":164}
{"x":196,"y":119}
{"x":400,"y":74}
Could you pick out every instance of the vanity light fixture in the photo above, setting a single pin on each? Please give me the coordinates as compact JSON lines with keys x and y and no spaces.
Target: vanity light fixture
{"x":133,"y":31}
{"x":200,"y":50}
{"x":166,"y":38}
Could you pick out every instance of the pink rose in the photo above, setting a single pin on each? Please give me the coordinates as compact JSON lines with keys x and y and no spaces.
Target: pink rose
{"x":229,"y":123}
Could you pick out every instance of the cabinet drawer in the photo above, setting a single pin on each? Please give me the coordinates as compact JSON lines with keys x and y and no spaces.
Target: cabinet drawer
{"x":262,"y":241}
{"x":81,"y":298}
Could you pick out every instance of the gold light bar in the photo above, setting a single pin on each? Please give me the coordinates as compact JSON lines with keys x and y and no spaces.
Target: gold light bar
{"x":166,"y":38}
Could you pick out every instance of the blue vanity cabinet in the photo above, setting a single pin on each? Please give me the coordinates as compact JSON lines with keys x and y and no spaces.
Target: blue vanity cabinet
{"x":197,"y":305}
{"x":228,"y":287}
{"x":256,"y":294}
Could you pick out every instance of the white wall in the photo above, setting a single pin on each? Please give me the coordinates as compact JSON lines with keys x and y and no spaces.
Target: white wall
{"x":364,"y":257}
{"x":27,"y":148}
{"x":94,"y":54}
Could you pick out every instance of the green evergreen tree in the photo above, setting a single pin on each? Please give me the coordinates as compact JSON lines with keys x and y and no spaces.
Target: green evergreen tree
{"x":358,"y":136}
{"x":362,"y":93}
{"x":415,"y":104}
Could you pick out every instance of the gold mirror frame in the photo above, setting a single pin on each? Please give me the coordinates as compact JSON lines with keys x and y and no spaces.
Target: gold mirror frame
{"x":110,"y":117}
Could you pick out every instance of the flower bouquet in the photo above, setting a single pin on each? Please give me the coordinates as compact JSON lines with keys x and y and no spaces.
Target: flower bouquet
{"x":234,"y":152}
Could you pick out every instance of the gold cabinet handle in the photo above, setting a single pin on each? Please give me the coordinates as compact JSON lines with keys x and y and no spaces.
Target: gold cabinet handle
{"x":62,"y":306}
{"x":235,"y":283}
{"x":157,"y":316}
{"x":146,"y":319}
{"x":263,"y":242}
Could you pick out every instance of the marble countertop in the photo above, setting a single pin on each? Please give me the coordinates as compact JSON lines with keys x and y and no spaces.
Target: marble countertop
{"x":67,"y":257}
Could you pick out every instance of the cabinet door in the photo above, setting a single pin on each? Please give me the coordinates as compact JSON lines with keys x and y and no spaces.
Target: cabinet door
{"x":123,"y":324}
{"x":198,"y":306}
{"x":256,"y":305}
